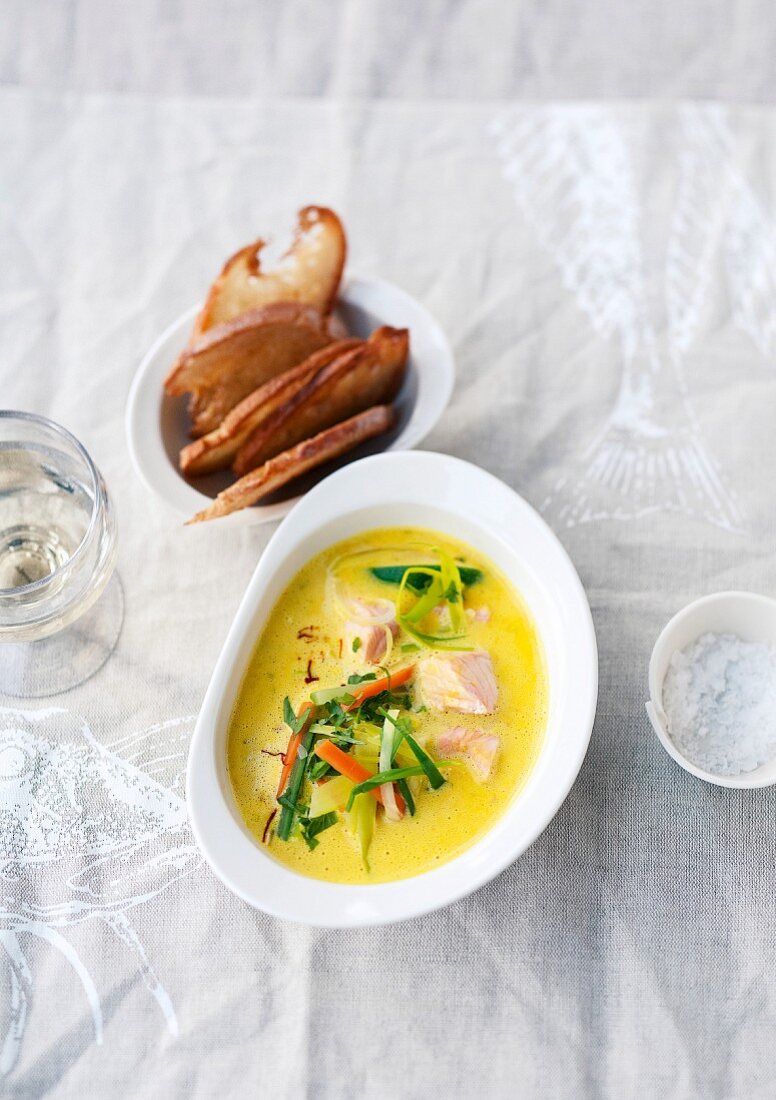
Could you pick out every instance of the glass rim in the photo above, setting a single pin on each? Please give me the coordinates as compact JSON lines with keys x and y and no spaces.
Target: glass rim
{"x":58,"y":429}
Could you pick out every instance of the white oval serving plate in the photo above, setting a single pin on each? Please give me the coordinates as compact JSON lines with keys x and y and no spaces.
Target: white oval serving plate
{"x":157,"y":425}
{"x":448,"y":495}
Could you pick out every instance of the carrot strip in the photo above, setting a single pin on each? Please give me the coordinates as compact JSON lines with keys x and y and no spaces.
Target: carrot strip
{"x":294,"y":741}
{"x":351,"y":769}
{"x":374,"y":687}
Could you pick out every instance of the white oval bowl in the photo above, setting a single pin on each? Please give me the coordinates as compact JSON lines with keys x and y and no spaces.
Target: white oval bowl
{"x":446,"y":494}
{"x":747,"y":614}
{"x":157,"y":426}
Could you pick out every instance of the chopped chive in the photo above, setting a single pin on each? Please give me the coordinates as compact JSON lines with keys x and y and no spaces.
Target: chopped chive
{"x":406,"y":794}
{"x":356,"y":644}
{"x":290,"y":797}
{"x":393,"y":775}
{"x":432,"y":772}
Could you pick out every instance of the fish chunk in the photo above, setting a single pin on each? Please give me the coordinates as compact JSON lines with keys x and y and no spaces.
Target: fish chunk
{"x":460,"y":682}
{"x":372,"y":645}
{"x":372,"y":626}
{"x":478,"y":748}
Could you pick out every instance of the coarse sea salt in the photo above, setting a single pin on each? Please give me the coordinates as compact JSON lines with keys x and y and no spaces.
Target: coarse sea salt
{"x":719,"y":696}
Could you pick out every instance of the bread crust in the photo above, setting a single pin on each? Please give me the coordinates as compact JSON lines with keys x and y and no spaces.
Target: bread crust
{"x":217,"y":449}
{"x":368,"y":375}
{"x":290,"y":464}
{"x":309,"y":272}
{"x":231,"y":360}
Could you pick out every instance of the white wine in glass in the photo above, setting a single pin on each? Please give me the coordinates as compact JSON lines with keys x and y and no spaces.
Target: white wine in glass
{"x":60,"y":611}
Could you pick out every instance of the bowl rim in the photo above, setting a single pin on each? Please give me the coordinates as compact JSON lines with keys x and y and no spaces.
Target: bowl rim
{"x":764,"y":775}
{"x":147,"y":451}
{"x":269,"y":885}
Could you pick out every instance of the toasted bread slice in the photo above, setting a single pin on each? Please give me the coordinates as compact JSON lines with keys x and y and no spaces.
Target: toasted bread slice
{"x":217,"y":449}
{"x":309,"y":272}
{"x":305,"y":456}
{"x":231,"y":360}
{"x":369,"y":375}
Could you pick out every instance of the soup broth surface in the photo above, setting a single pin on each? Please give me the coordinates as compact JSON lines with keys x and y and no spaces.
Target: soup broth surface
{"x":302,"y":648}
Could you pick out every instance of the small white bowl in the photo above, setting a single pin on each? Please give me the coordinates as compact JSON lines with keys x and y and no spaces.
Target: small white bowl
{"x":751,"y":617}
{"x":157,"y":426}
{"x":416,"y":489}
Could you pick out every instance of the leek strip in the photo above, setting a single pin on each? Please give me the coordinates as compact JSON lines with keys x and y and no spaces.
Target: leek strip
{"x":401,"y":727}
{"x":406,"y":794}
{"x":329,"y":796}
{"x":437,"y":641}
{"x":362,"y":821}
{"x":446,"y":580}
{"x":452,"y":589}
{"x":425,"y":603}
{"x":291,"y":793}
{"x":328,"y":695}
{"x":390,"y":776}
{"x":435,"y":777}
{"x":394,"y":574}
{"x":392,"y":812}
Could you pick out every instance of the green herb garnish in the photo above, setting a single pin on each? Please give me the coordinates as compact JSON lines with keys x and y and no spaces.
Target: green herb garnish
{"x":393,"y":775}
{"x":419,"y":579}
{"x":319,"y":769}
{"x":354,"y":678}
{"x":328,"y":695}
{"x":290,"y":798}
{"x":406,"y":794}
{"x":432,"y":772}
{"x":311,"y":827}
{"x":452,"y":593}
{"x":293,"y":722}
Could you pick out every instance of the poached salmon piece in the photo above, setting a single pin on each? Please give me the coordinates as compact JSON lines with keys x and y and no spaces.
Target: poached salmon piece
{"x":370,"y":643}
{"x":479,"y":749}
{"x":460,"y":682}
{"x":368,"y":631}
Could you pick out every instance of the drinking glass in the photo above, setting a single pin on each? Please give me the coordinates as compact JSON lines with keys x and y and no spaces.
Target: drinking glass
{"x":61,"y":606}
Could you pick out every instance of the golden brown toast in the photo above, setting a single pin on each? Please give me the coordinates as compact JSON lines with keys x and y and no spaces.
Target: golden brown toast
{"x":368,"y":375}
{"x":227,"y":363}
{"x":217,"y":449}
{"x":285,"y":467}
{"x":309,"y":272}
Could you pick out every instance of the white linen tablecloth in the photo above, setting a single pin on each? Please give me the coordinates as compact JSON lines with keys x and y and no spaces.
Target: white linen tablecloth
{"x":606,"y":274}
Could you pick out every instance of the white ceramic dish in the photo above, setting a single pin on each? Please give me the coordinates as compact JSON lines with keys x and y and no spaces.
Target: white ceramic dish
{"x":452,"y":496}
{"x":751,"y":617}
{"x":157,"y":425}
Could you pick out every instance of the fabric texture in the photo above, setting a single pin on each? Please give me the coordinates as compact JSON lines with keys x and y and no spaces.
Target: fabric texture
{"x":606,"y":273}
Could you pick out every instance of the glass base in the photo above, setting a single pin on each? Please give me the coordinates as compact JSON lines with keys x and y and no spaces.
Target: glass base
{"x":32,"y":670}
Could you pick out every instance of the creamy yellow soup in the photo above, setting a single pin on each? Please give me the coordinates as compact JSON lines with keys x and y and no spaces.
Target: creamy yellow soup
{"x":302,"y":649}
